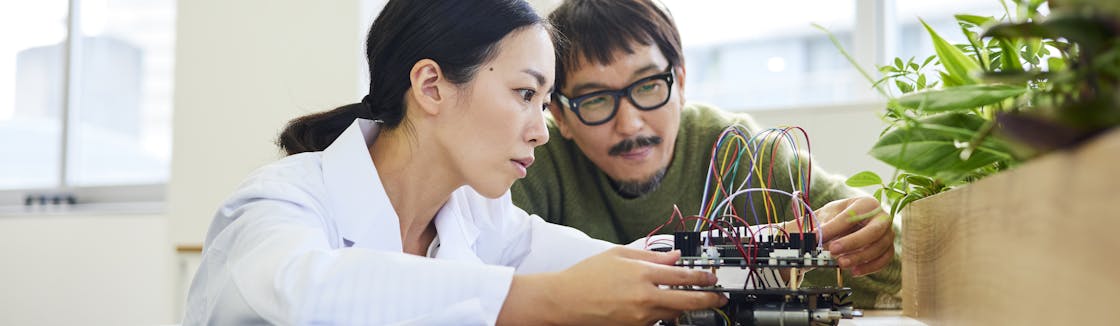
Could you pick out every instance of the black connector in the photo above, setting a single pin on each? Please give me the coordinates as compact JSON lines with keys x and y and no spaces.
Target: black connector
{"x":688,"y":243}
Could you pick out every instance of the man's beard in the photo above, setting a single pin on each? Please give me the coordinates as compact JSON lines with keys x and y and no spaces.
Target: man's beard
{"x":637,"y":188}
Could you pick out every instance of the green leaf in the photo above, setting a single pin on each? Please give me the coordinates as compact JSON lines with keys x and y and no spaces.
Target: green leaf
{"x":911,"y":197}
{"x":929,"y":147}
{"x":894,"y":195}
{"x":979,"y":21}
{"x":1018,"y":31}
{"x":1012,"y":77}
{"x":864,"y":179}
{"x":1056,"y":64}
{"x":1009,"y":56}
{"x":958,"y":66}
{"x":928,"y":60}
{"x":903,"y":86}
{"x":921,"y":81}
{"x":959,"y":98}
{"x":920,"y":181}
{"x":898,"y":64}
{"x":1034,"y":48}
{"x":878,"y":194}
{"x":1089,"y":33}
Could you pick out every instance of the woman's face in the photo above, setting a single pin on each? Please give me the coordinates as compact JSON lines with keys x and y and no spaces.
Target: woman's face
{"x":499,"y":115}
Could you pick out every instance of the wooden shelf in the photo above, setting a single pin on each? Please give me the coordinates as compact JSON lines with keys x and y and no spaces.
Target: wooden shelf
{"x":1034,"y":245}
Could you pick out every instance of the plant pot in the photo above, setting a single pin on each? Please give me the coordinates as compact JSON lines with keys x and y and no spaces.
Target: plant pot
{"x":1037,"y":245}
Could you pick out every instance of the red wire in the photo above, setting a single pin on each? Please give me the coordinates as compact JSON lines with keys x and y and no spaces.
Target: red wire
{"x":675,"y":213}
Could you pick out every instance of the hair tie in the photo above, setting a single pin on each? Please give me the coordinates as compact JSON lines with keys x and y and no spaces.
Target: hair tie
{"x":365,"y":111}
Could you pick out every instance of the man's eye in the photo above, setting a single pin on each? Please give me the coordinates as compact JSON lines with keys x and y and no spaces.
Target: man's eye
{"x":595,"y":100}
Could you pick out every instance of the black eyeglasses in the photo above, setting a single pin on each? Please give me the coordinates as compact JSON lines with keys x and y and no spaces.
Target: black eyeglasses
{"x":599,"y":107}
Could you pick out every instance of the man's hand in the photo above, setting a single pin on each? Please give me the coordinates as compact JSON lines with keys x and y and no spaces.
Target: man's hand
{"x":858,"y":233}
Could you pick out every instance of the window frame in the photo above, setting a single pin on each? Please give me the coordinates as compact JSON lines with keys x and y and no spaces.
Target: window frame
{"x":873,"y":39}
{"x":130,"y":198}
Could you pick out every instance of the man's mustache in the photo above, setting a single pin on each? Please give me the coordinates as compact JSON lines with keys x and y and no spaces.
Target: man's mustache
{"x":627,"y":145}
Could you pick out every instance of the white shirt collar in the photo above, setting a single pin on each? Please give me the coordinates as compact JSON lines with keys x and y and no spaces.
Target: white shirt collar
{"x":361,"y":208}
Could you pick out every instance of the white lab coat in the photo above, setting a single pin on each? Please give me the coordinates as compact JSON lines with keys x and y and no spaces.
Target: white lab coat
{"x":313,"y":239}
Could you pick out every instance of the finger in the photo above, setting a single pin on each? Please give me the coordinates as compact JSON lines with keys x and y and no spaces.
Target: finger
{"x":689,"y":300}
{"x":875,"y":265}
{"x":830,"y":210}
{"x":868,"y":253}
{"x":662,"y":258}
{"x":679,"y":276}
{"x":864,"y":236}
{"x":837,"y":228}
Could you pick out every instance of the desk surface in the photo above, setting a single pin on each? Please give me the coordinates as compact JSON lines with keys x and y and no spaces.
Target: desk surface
{"x":882,"y":318}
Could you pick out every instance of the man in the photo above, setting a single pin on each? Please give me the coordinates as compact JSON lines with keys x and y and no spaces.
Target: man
{"x":626,"y":148}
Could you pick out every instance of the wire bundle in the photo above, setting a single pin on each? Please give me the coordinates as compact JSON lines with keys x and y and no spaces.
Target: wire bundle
{"x":716,"y":211}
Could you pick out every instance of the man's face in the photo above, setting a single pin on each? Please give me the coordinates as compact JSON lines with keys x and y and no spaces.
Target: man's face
{"x":635,"y":146}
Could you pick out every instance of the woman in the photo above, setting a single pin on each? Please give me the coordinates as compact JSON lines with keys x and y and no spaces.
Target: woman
{"x":395,"y":210}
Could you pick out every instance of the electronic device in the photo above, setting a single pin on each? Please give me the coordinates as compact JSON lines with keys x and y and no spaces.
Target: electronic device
{"x":771,"y":253}
{"x":760,"y":305}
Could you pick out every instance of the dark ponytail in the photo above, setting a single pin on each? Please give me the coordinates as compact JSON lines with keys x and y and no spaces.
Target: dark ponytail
{"x":460,"y":35}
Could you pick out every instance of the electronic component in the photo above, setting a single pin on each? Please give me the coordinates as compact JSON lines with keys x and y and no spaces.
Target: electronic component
{"x":803,"y":307}
{"x":792,"y":306}
{"x":723,"y":241}
{"x":795,"y":250}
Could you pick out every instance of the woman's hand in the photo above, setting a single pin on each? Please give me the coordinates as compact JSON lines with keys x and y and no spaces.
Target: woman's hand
{"x":616,"y":287}
{"x":858,"y":234}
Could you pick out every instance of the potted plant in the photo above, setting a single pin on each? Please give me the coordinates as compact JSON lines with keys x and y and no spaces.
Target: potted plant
{"x":1020,"y":123}
{"x":1024,"y":85}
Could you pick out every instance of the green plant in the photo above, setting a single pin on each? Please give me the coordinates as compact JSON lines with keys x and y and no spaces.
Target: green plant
{"x":1024,"y":84}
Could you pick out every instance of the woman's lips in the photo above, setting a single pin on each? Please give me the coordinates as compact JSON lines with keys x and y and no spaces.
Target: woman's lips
{"x":522,"y":165}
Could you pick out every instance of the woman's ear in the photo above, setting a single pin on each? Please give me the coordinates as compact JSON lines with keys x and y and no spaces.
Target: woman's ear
{"x":429,"y":88}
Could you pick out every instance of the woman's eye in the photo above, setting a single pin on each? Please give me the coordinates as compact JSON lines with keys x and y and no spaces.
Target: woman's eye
{"x":527,"y":94}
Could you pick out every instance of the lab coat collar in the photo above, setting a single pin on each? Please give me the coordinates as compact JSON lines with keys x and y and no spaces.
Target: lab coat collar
{"x":361,"y":209}
{"x":456,"y":235}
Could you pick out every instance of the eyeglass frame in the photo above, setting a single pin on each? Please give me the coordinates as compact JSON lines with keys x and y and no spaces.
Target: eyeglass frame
{"x":573,"y":104}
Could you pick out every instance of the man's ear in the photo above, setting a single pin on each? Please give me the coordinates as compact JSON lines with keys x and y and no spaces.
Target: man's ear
{"x":429,"y":88}
{"x":561,"y":123}
{"x":680,"y":71}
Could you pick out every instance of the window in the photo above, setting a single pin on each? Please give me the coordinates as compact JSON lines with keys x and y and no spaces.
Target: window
{"x":744,"y":55}
{"x":913,"y":39}
{"x":85,"y":96}
{"x":749,"y":54}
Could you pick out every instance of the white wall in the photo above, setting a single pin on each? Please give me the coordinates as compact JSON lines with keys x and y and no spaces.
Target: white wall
{"x":243,"y":69}
{"x":85,"y":270}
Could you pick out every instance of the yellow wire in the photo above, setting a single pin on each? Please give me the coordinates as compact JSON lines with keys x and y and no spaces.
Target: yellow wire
{"x":722,"y":168}
{"x":768,"y":204}
{"x":726,"y":319}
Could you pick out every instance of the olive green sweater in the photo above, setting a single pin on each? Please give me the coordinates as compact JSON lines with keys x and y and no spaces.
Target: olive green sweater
{"x":565,"y":187}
